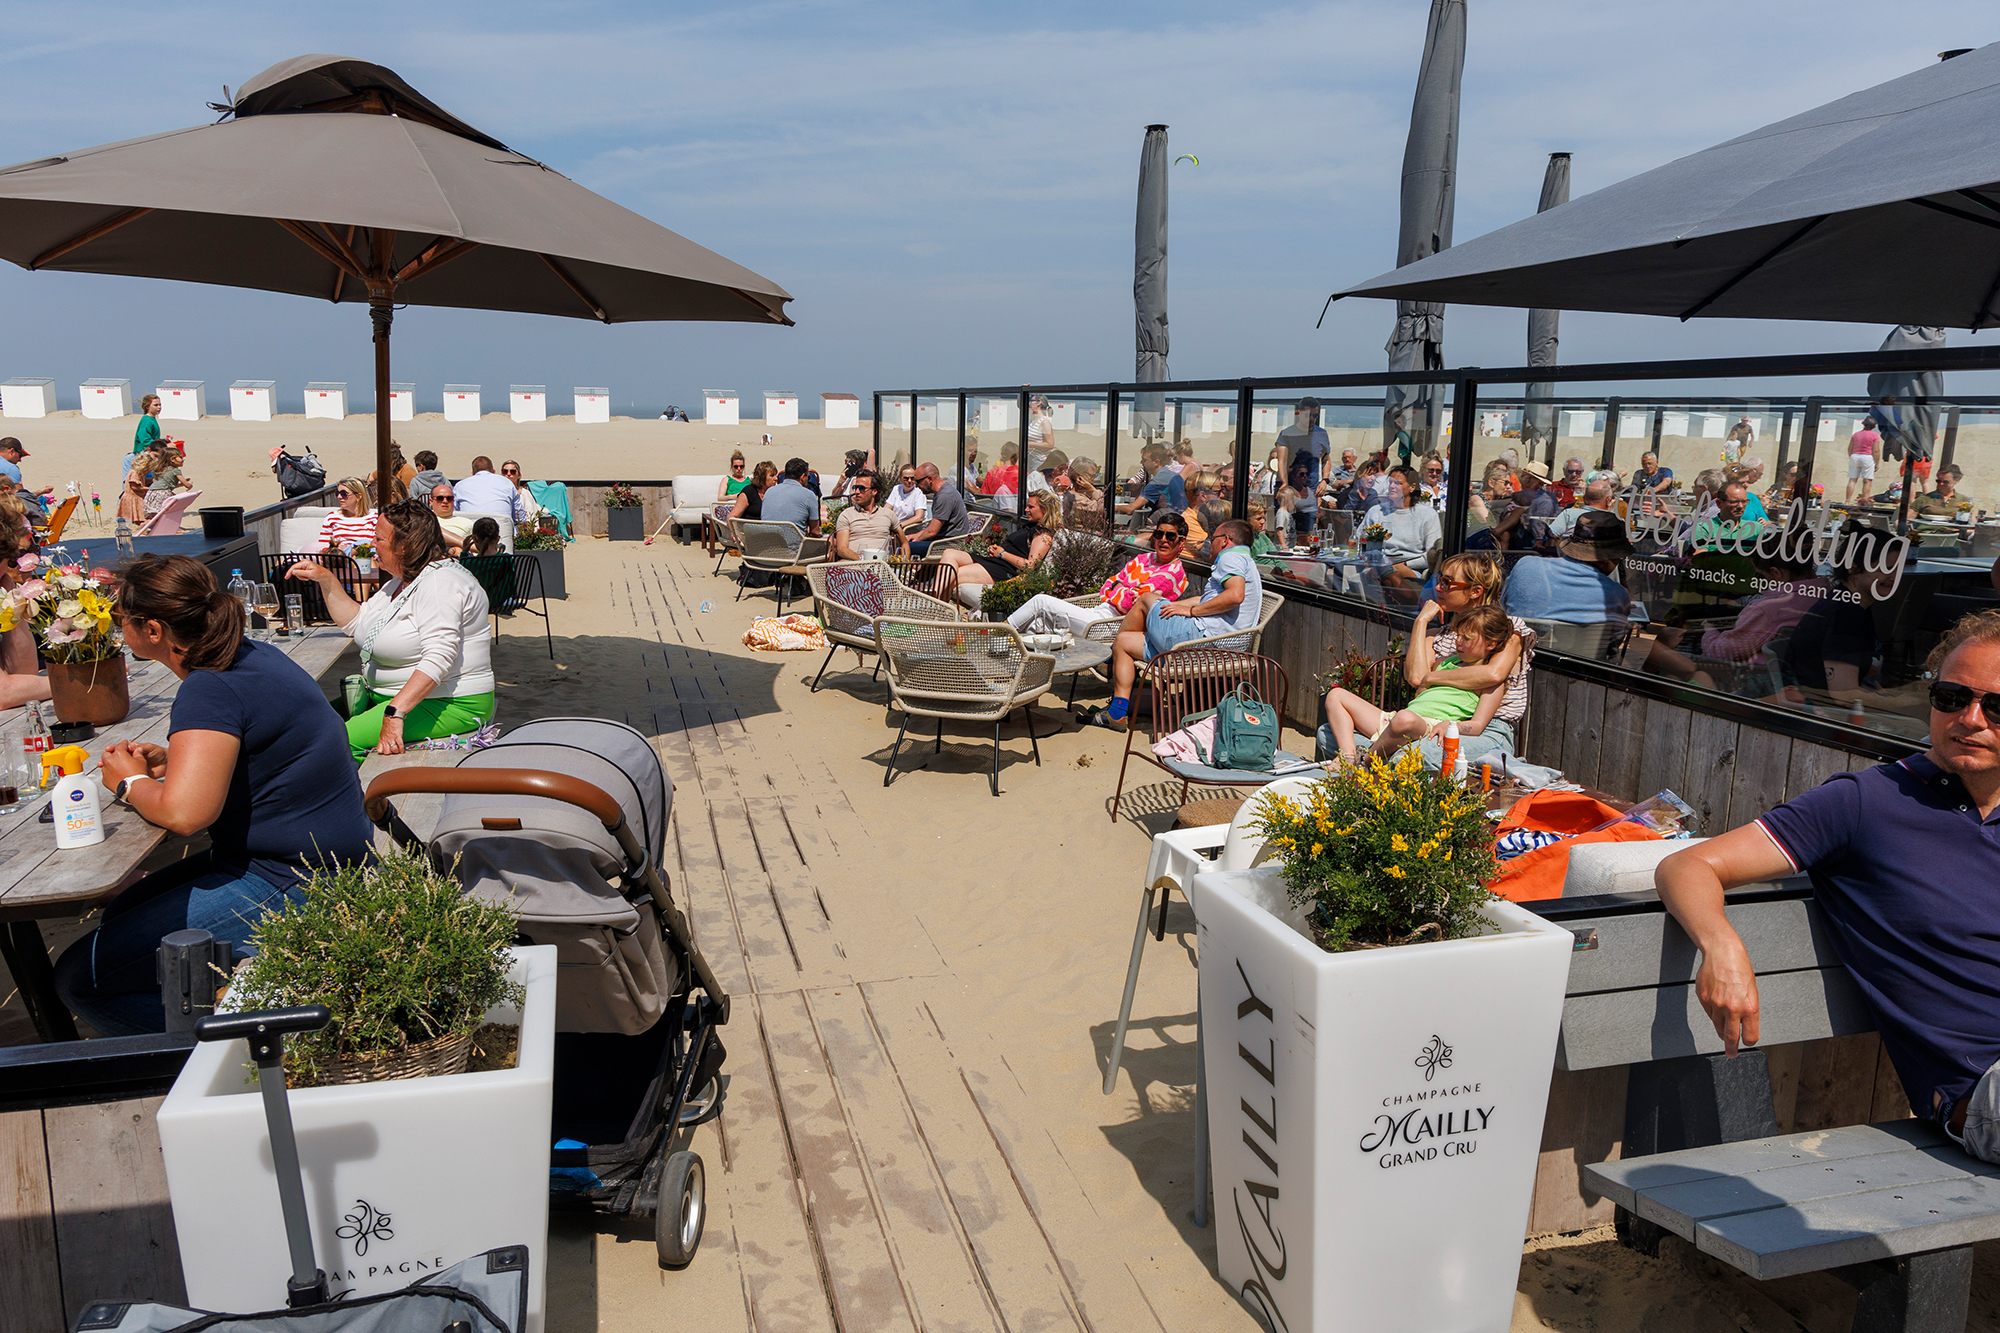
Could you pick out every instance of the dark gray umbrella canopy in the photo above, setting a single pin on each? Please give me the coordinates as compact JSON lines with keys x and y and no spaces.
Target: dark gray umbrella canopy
{"x":1149,"y":280}
{"x":1883,"y":206}
{"x":1543,"y":338}
{"x":332,"y":177}
{"x":1430,"y":176}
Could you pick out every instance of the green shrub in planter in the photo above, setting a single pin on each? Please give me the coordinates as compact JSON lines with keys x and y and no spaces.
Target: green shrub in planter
{"x":396,"y":950}
{"x":1001,"y":600}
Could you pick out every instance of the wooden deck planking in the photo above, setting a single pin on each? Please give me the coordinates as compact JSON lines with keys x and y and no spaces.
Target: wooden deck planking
{"x":108,"y":1185}
{"x":34,"y":1299}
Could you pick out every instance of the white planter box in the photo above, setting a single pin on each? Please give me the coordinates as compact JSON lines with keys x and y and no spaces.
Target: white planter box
{"x":461,"y":402}
{"x":781,"y":408}
{"x":326,"y":402}
{"x":528,"y":402}
{"x":720,"y":408}
{"x":252,"y":400}
{"x":27,"y":398}
{"x":401,"y":1178}
{"x":593,"y":406}
{"x":183,"y":400}
{"x":402,"y":402}
{"x":106,"y":400}
{"x":839,"y":411}
{"x":1374,"y":1117}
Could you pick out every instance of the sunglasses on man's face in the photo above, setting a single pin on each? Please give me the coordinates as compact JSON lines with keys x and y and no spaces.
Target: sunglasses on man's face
{"x":1949,"y":697}
{"x":440,"y":499}
{"x":1572,"y":472}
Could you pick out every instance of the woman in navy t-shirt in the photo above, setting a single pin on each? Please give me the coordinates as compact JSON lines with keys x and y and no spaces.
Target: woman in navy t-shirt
{"x":256,"y":757}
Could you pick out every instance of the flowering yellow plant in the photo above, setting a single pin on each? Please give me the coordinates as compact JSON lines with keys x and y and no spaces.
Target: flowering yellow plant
{"x":1383,"y":852}
{"x":71,"y":610}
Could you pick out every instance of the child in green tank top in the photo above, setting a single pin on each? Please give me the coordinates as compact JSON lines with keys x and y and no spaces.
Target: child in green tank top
{"x":1482,"y":631}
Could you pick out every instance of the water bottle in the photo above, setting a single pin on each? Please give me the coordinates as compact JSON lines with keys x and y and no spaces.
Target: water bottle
{"x":241,"y":589}
{"x":124,"y":535}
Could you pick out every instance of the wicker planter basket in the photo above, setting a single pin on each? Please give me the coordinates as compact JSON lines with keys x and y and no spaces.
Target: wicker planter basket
{"x":426,"y":1059}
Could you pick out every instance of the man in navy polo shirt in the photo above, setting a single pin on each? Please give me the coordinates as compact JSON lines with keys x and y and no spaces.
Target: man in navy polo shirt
{"x":1905,"y":865}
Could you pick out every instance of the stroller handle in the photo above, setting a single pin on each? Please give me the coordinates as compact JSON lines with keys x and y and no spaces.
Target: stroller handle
{"x":492,"y":782}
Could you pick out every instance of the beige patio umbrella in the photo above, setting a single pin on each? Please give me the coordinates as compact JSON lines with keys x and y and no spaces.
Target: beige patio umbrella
{"x":332,"y":177}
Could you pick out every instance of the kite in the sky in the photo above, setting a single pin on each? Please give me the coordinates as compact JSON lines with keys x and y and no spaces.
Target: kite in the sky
{"x":1187,"y":157}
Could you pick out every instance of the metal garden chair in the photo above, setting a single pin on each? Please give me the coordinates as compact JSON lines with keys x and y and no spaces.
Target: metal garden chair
{"x":511,"y":582}
{"x":1192,"y":680}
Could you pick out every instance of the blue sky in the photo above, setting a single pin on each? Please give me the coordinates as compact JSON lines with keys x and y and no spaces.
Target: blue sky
{"x":947,"y":189}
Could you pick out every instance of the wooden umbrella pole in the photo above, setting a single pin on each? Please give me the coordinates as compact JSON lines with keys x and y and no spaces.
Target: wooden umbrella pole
{"x":381,"y":310}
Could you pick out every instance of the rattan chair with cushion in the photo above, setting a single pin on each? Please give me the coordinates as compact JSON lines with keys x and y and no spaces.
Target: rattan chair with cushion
{"x":850,"y":596}
{"x":1192,"y":680}
{"x":775,"y":547}
{"x":960,"y":671}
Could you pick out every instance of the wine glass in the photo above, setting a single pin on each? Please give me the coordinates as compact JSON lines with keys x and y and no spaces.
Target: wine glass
{"x":268,"y":606}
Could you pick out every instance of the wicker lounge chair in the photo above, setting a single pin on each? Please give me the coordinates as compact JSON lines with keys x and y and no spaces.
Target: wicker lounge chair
{"x":851,"y":595}
{"x":963,"y":672}
{"x":777,"y":549}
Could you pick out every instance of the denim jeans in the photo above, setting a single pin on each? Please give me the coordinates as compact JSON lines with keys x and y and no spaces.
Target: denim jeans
{"x":1495,"y":737}
{"x":109,"y":978}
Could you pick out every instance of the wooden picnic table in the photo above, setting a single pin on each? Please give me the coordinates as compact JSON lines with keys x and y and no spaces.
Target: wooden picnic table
{"x":38,"y":882}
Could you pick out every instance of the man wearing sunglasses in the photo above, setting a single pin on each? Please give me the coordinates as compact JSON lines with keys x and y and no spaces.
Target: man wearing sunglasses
{"x":1570,"y":487}
{"x":1158,"y":570}
{"x":1905,"y":864}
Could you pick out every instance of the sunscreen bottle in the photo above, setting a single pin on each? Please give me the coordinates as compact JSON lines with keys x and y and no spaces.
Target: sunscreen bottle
{"x":1454,"y":765}
{"x":77,"y":821}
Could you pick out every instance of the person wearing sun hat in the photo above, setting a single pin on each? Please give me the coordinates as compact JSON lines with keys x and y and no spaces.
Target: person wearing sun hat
{"x":1576,"y":584}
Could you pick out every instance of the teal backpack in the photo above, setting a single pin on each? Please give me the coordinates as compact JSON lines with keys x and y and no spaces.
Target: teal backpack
{"x":1246,"y":732}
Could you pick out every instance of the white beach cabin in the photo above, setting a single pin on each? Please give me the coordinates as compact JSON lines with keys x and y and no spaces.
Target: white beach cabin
{"x":461,"y":402}
{"x":947,"y":414}
{"x":106,"y":400}
{"x":997,"y":414}
{"x":593,"y":406}
{"x":895,"y":414}
{"x":1214,"y":420}
{"x":1673,"y":423}
{"x":1090,"y":418}
{"x":252,"y":400}
{"x":720,"y":408}
{"x":1579,"y":423}
{"x":839,"y":411}
{"x":1709,"y":425}
{"x":402,"y":402}
{"x":326,"y":402}
{"x":1635,"y":425}
{"x":27,"y":398}
{"x":183,"y":400}
{"x":781,"y":408}
{"x":1063,"y":415}
{"x":528,"y":402}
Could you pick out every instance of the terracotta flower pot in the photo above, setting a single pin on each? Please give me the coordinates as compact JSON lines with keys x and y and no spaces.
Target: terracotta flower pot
{"x":94,"y":692}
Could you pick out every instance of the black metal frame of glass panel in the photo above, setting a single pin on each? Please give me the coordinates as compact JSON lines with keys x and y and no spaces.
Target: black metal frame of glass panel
{"x":1465,"y":385}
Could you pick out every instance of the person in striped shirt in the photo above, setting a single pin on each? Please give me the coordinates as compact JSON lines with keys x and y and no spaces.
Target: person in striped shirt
{"x":351,"y":524}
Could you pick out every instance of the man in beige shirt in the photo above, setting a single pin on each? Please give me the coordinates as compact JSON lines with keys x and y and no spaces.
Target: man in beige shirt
{"x":867,"y":527}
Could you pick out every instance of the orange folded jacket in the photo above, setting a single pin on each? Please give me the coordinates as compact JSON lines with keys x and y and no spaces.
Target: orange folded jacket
{"x":1540,"y":873}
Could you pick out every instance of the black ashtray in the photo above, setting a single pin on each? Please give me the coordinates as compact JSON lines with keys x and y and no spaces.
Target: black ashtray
{"x":71,"y":733}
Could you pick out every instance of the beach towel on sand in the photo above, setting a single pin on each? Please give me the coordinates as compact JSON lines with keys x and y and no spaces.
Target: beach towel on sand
{"x":792,"y":634}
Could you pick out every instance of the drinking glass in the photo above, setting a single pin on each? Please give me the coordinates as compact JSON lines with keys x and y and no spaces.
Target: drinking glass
{"x":295,"y":614}
{"x":266,"y":601}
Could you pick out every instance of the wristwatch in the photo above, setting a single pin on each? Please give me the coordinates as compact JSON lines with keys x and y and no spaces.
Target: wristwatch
{"x":389,"y":711}
{"x":124,"y":785}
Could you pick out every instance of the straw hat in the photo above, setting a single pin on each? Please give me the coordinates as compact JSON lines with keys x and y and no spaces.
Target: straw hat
{"x":1537,"y":469}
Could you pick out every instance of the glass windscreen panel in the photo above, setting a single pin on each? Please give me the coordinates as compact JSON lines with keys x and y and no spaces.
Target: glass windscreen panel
{"x":1760,"y":548}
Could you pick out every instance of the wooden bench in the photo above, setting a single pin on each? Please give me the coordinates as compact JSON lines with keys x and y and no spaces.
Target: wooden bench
{"x":1893,"y":1208}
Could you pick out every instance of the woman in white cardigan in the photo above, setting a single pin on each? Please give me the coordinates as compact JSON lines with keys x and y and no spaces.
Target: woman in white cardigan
{"x":426,"y":646}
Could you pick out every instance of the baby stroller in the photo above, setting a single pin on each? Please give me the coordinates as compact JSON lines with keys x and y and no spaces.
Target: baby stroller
{"x":565,"y":820}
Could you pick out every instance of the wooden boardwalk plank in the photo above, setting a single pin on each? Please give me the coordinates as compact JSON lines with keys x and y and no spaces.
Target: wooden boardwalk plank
{"x":33,"y":1301}
{"x":862,"y":1276}
{"x":108,"y":1184}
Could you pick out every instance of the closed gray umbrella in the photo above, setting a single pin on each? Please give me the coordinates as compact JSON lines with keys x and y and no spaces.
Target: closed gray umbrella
{"x":1430,"y":174}
{"x":331,"y":177}
{"x":1883,"y":206}
{"x":1539,"y":420}
{"x":1149,"y":281}
{"x":1908,"y":427}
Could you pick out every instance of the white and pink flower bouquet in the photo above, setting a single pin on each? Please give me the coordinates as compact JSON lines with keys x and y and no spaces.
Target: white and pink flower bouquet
{"x":71,"y":610}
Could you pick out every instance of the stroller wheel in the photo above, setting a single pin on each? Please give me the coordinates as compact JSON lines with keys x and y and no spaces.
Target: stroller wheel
{"x":683,"y":1210}
{"x":702,"y":1105}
